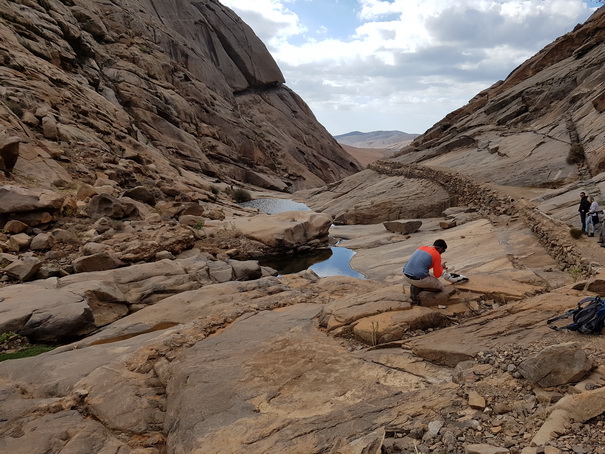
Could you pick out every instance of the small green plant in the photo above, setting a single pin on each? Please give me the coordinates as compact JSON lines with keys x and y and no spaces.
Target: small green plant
{"x":7,"y":335}
{"x":144,"y":49}
{"x":575,"y":232}
{"x":241,"y":195}
{"x":198,"y":225}
{"x":215,"y":190}
{"x":576,"y":272}
{"x":68,"y":211}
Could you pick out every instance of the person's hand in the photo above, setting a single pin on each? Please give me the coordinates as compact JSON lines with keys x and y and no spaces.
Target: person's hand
{"x":444,"y":265}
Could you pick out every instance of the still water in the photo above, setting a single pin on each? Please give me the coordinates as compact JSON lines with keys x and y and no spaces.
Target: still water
{"x":335,"y":261}
{"x":274,"y":206}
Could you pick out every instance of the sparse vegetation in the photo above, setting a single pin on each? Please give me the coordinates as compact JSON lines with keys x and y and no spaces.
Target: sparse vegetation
{"x":19,"y":347}
{"x":30,"y":351}
{"x":214,"y":189}
{"x":241,"y":195}
{"x":576,"y":272}
{"x":575,"y":232}
{"x":576,"y":154}
{"x":7,"y":336}
{"x":374,"y":333}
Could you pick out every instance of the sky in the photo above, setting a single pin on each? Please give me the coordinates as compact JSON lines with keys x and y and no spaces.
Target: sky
{"x":382,"y":65}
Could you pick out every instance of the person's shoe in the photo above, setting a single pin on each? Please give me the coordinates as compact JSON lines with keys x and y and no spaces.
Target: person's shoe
{"x":591,"y":234}
{"x":415,"y":295}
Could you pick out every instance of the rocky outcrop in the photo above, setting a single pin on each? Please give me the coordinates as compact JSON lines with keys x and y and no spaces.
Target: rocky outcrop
{"x":288,"y":231}
{"x":177,"y":366}
{"x":175,"y":86}
{"x":369,"y":197}
{"x":523,"y":123}
{"x":63,"y":309}
{"x":182,"y":349}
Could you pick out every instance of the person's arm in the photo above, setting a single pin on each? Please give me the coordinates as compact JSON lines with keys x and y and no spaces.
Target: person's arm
{"x":437,"y":265}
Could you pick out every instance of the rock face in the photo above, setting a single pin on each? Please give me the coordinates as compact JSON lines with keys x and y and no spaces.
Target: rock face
{"x":122,"y":215}
{"x":177,"y":84}
{"x":553,"y":102}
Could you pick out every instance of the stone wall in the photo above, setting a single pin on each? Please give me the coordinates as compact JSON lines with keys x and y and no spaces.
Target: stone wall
{"x":553,"y":234}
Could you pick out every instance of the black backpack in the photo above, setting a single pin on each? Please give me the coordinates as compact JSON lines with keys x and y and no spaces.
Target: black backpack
{"x":587,"y":318}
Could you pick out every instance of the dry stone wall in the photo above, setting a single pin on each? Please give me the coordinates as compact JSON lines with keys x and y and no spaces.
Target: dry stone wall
{"x":553,"y":234}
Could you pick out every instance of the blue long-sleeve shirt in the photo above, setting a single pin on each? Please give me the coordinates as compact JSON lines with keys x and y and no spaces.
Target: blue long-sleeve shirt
{"x":422,"y":260}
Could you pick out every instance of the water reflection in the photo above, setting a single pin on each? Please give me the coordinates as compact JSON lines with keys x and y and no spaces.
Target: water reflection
{"x":289,"y":264}
{"x":274,"y":206}
{"x":338,"y":265}
{"x":335,"y":261}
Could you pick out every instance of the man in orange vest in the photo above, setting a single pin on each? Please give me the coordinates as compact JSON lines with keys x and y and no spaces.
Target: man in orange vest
{"x":416,"y":270}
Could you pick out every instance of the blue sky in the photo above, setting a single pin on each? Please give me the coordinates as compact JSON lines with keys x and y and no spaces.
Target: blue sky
{"x":368,"y":65}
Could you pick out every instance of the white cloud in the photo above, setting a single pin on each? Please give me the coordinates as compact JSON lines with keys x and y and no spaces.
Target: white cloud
{"x":405,"y":63}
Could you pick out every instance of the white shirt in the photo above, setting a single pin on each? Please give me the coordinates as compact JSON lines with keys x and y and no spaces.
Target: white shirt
{"x":594,"y":207}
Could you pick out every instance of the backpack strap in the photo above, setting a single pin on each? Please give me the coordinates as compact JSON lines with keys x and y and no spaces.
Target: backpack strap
{"x":559,"y":317}
{"x":572,"y":326}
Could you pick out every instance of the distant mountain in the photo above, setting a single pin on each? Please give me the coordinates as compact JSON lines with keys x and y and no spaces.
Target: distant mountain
{"x":391,"y":140}
{"x":366,"y":156}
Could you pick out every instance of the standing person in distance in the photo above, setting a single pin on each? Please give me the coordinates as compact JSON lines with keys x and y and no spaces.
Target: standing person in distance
{"x":592,"y":217}
{"x":416,"y":269}
{"x":583,"y":209}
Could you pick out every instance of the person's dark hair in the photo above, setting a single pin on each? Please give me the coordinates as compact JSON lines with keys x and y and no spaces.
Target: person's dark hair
{"x":440,"y":243}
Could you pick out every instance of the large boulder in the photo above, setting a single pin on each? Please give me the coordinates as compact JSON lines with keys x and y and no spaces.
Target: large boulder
{"x":15,"y":199}
{"x":370,"y":198}
{"x":557,"y":365}
{"x":105,"y":205}
{"x":286,"y":231}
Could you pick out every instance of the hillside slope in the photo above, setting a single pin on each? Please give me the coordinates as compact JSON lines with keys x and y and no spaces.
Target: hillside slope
{"x":523,"y":131}
{"x":174,"y":85}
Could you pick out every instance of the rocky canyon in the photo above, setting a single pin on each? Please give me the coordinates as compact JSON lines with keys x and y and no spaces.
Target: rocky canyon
{"x":130,"y":130}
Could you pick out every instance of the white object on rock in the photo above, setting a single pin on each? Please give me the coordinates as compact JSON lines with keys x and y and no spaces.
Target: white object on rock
{"x":455,"y":278}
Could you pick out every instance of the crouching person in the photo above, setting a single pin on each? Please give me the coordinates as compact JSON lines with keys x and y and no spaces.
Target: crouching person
{"x":417,"y":270}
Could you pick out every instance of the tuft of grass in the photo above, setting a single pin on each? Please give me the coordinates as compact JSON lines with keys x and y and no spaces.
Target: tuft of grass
{"x":241,"y":195}
{"x":576,"y":154}
{"x":576,"y":272}
{"x":575,"y":233}
{"x":7,"y":336}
